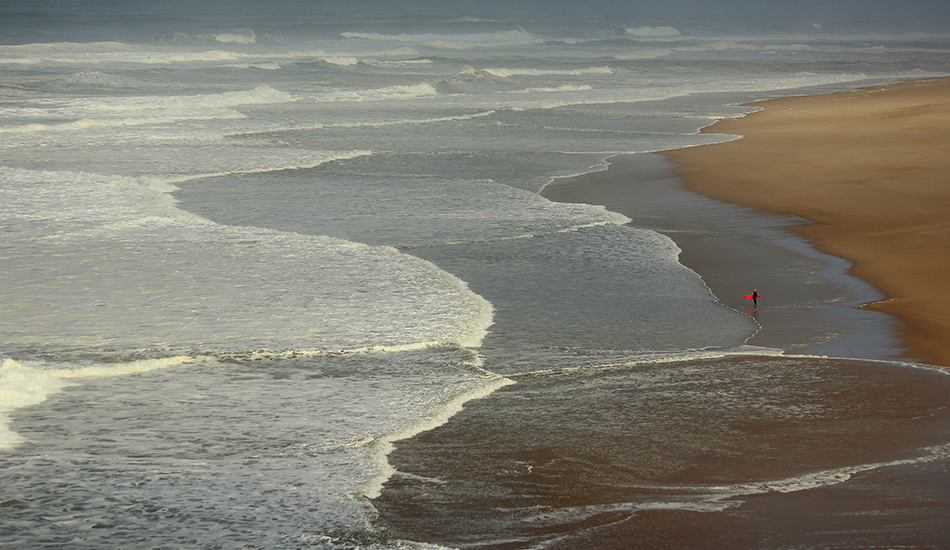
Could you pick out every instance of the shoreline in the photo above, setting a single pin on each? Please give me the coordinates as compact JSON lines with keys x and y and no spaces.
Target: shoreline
{"x":867,"y":171}
{"x":811,"y":306}
{"x":584,"y":466}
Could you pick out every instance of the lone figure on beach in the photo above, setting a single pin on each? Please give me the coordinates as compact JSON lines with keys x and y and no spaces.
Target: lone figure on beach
{"x":755,"y":298}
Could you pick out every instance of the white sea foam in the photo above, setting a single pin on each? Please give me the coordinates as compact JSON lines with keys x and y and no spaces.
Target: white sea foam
{"x":64,"y":201}
{"x":399,"y":92}
{"x":726,"y":45}
{"x":109,"y":53}
{"x":401,"y":63}
{"x":266,"y":66}
{"x":260,"y":95}
{"x":380,"y":123}
{"x":28,"y":385}
{"x":188,"y":50}
{"x":120,"y":369}
{"x":654,"y":32}
{"x":342,"y":61}
{"x":356,"y":294}
{"x":330,"y":349}
{"x":637,"y":358}
{"x":12,"y":51}
{"x":455,"y":41}
{"x":232,"y":289}
{"x":93,"y":124}
{"x":654,"y":53}
{"x":148,"y":110}
{"x":383,"y":446}
{"x":247,"y":37}
{"x":99,"y":79}
{"x":22,"y":386}
{"x":825,"y":478}
{"x":557,"y":89}
{"x":293,"y":160}
{"x":506,"y":72}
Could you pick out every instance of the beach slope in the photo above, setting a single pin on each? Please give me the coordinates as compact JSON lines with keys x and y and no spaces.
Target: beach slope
{"x":871,"y":171}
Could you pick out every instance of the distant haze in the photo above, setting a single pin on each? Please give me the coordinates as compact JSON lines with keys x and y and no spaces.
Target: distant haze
{"x":82,"y":19}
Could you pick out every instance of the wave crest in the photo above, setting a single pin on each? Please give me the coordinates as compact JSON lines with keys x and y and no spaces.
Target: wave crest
{"x":518,"y":37}
{"x":654,"y":32}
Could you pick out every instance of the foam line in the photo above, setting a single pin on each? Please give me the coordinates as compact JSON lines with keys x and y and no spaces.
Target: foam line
{"x":25,"y":386}
{"x":384,"y":445}
{"x":457,"y":41}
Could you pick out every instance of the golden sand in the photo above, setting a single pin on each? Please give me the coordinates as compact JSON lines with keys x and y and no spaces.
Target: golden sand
{"x":871,"y":171}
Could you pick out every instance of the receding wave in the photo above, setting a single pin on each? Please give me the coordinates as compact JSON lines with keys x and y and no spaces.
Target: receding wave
{"x":225,"y":289}
{"x":302,"y":161}
{"x":210,"y":287}
{"x":25,"y":385}
{"x":393,"y":122}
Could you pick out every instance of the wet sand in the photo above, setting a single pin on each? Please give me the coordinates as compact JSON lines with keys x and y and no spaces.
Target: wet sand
{"x":702,"y":454}
{"x":869,"y":170}
{"x":809,"y":302}
{"x":705,"y":453}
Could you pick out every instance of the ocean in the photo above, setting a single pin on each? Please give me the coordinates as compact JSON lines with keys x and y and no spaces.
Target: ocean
{"x":248,"y":247}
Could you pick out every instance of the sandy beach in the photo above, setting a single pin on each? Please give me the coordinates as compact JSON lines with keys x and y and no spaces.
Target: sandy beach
{"x":869,"y":170}
{"x":810,"y":303}
{"x":858,"y":175}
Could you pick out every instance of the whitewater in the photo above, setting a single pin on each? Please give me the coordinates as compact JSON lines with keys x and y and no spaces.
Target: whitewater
{"x":243,"y":255}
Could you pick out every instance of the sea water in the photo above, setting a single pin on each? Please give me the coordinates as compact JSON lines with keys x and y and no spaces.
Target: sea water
{"x":247,"y":247}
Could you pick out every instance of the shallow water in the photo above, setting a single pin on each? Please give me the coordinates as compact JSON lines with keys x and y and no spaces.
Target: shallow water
{"x":245,"y":250}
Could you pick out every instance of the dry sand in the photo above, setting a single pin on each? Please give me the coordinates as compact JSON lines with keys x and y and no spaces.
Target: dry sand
{"x":871,"y":171}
